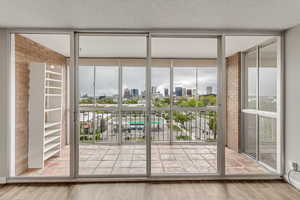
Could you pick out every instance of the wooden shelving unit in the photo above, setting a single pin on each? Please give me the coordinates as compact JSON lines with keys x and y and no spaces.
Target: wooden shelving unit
{"x":45,"y":113}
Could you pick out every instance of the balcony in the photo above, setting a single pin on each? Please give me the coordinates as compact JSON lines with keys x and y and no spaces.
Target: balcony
{"x":131,"y":159}
{"x":187,"y":127}
{"x":183,"y":148}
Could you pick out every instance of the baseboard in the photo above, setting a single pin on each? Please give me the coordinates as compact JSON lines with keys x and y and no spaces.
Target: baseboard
{"x":2,"y":180}
{"x":293,"y":181}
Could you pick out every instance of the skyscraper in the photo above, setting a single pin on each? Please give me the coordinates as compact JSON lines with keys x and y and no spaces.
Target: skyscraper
{"x":194,"y":93}
{"x":166,"y":92}
{"x":189,"y":92}
{"x":209,"y":90}
{"x":126,"y":93}
{"x":184,"y":92}
{"x":153,"y":89}
{"x":178,"y":91}
{"x":134,"y":92}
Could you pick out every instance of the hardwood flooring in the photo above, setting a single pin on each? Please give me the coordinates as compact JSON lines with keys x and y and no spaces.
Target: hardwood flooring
{"x":206,"y":190}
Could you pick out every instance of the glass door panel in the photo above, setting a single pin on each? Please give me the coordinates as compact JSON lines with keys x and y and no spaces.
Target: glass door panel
{"x":106,"y":86}
{"x":268,"y":78}
{"x":268,"y":141}
{"x":112,"y":105}
{"x":183,"y":119}
{"x":251,"y":77}
{"x":250,"y":134}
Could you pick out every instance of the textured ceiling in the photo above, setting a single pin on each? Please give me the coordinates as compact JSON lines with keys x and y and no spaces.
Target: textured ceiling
{"x":194,"y":14}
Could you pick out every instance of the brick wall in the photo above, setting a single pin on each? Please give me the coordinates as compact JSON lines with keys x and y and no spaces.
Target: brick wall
{"x":233,"y":64}
{"x":26,"y":52}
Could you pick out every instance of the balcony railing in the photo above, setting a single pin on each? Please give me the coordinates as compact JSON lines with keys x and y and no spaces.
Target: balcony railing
{"x":129,"y":127}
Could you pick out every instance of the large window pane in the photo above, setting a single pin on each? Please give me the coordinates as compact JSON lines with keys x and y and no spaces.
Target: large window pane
{"x":185,"y":87}
{"x":250,"y":134}
{"x":99,"y":126}
{"x":184,"y":74}
{"x":268,"y":78}
{"x":41,"y":138}
{"x":86,"y":85}
{"x":134,"y":86}
{"x":133,"y":127}
{"x":195,"y":86}
{"x":160,"y":89}
{"x":160,"y":127}
{"x":194,"y":126}
{"x":112,"y":138}
{"x":251,"y":84}
{"x":268,"y":141}
{"x":106,"y":86}
{"x":183,"y":156}
{"x":206,"y":81}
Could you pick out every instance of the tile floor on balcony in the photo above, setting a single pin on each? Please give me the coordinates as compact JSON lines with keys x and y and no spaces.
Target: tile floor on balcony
{"x":131,"y":159}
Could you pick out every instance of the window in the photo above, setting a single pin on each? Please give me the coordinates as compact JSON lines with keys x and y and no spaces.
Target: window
{"x":250,"y":134}
{"x":251,"y":74}
{"x":268,"y":78}
{"x":268,"y":141}
{"x":260,"y":113}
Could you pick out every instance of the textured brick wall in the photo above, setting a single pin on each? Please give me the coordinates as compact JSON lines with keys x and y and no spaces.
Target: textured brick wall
{"x":27,"y":51}
{"x":233,"y":64}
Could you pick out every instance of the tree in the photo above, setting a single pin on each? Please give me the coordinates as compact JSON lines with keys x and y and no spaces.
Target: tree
{"x":181,"y":118}
{"x":106,"y":101}
{"x":87,"y":101}
{"x":131,"y":101}
{"x":212,"y":122}
{"x":161,"y":103}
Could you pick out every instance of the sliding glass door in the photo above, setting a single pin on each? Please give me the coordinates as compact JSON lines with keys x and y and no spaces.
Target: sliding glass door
{"x":112,"y":105}
{"x":143,"y":114}
{"x":262,"y":139}
{"x":184,"y":111}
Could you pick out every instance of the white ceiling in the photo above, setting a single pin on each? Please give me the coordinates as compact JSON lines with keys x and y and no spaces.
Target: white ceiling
{"x":58,"y":43}
{"x":133,"y":46}
{"x":205,"y":14}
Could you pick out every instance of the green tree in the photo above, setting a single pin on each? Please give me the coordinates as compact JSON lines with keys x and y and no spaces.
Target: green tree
{"x":131,"y":101}
{"x":87,"y":101}
{"x":106,"y":101}
{"x":161,"y":103}
{"x":212,"y":122}
{"x":181,"y":118}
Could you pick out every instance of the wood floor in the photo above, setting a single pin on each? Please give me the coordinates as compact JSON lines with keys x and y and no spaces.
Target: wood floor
{"x":206,"y":190}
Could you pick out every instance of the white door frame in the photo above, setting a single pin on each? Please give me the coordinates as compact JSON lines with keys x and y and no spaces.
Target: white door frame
{"x":220,"y":34}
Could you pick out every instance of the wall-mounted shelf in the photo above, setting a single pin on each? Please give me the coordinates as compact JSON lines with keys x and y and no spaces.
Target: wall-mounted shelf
{"x":45,"y":113}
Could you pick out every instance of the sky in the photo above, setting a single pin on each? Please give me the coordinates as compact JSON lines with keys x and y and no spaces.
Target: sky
{"x":134,"y":77}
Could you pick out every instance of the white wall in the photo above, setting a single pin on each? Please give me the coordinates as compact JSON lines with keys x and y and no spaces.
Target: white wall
{"x":292,"y":76}
{"x":3,"y":105}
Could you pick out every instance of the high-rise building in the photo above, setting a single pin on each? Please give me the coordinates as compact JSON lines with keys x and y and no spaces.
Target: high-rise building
{"x":184,"y":92}
{"x":189,"y":92}
{"x":166,"y":92}
{"x":143,"y":94}
{"x":209,"y":90}
{"x":178,"y":91}
{"x":194,"y":92}
{"x":153,"y":89}
{"x":126,"y":93}
{"x":134,"y":92}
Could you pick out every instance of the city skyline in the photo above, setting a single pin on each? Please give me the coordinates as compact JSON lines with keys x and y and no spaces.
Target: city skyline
{"x":133,"y":92}
{"x":106,"y":83}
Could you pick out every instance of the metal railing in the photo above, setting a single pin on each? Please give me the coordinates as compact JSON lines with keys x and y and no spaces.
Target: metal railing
{"x":185,"y":127}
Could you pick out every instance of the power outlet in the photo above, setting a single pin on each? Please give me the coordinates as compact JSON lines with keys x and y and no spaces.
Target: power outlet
{"x":294,"y":166}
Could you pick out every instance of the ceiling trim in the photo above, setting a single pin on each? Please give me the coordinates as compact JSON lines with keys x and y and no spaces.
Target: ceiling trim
{"x":181,"y":32}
